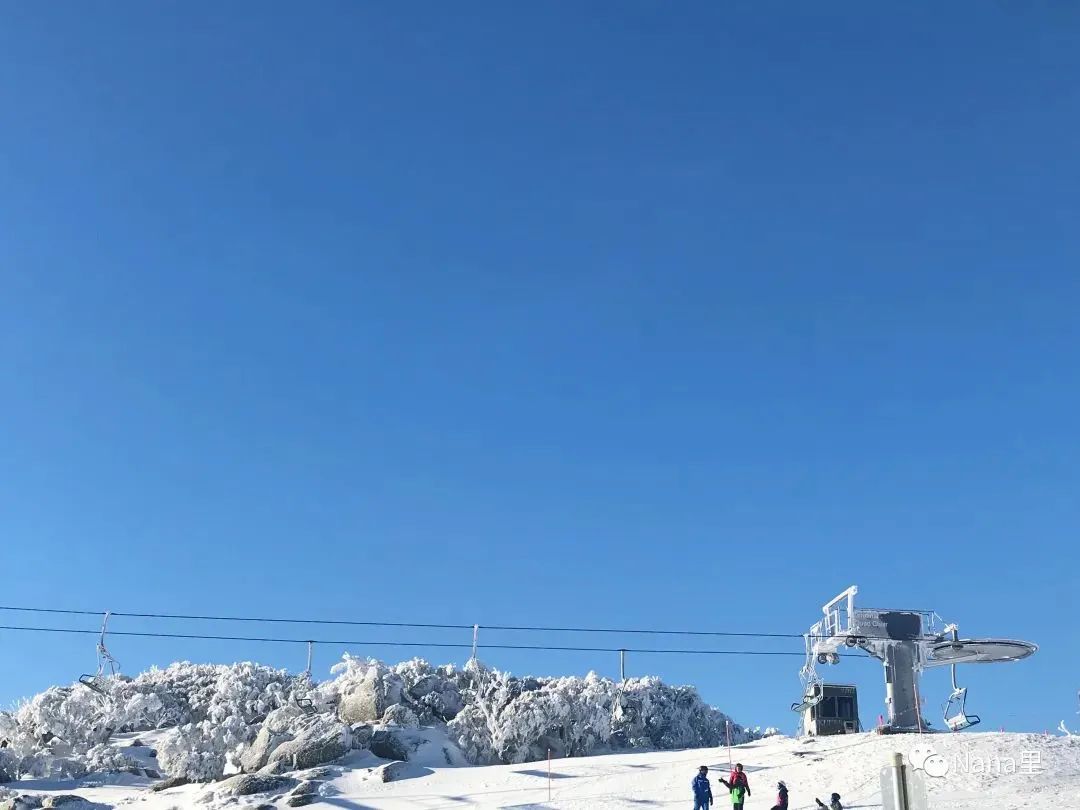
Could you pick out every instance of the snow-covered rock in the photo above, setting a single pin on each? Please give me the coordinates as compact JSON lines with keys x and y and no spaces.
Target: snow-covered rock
{"x":72,"y":802}
{"x":275,"y":730}
{"x":388,"y":744}
{"x":323,"y":740}
{"x":361,"y":734}
{"x":23,"y":802}
{"x":247,"y":784}
{"x":401,"y":715}
{"x":303,"y":794}
{"x":169,"y":783}
{"x":391,"y":771}
{"x":367,"y":689}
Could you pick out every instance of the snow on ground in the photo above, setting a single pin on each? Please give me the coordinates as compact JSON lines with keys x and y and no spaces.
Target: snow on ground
{"x":379,"y":737}
{"x":986,"y":772}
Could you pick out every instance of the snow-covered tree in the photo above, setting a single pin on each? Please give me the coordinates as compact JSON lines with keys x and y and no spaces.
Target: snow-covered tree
{"x":221,"y":716}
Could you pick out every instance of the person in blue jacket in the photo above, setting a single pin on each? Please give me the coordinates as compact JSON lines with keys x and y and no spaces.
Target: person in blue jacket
{"x":702,"y":789}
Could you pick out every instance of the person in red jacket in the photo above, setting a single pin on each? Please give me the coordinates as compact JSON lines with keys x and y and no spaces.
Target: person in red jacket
{"x":739,"y":786}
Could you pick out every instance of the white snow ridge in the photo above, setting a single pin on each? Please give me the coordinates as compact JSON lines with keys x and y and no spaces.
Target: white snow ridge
{"x":417,"y":736}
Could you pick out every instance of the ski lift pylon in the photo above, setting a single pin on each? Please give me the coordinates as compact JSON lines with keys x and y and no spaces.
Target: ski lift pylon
{"x":907,"y":642}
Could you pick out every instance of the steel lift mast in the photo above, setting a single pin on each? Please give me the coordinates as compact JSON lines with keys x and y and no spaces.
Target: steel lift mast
{"x":906,"y":642}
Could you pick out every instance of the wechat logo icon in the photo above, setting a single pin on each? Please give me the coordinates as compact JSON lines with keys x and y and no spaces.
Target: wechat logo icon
{"x":923,"y":757}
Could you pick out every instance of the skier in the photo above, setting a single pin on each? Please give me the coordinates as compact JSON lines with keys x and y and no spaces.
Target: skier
{"x":834,"y":803}
{"x":739,"y":786}
{"x":702,"y":789}
{"x":781,"y":797}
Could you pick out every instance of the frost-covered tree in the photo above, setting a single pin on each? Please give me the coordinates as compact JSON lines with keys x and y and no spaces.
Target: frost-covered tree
{"x":509,"y":719}
{"x":568,"y":716}
{"x":9,"y":766}
{"x":237,"y":715}
{"x":650,"y":714}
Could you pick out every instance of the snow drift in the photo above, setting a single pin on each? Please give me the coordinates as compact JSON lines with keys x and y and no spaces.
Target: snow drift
{"x":247,"y":717}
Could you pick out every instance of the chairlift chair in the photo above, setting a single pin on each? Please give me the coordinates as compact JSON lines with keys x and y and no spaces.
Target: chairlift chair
{"x":305,"y":705}
{"x":956,"y":716}
{"x":960,"y":719}
{"x":302,"y":682}
{"x":100,"y":682}
{"x":94,"y":683}
{"x":811,"y":697}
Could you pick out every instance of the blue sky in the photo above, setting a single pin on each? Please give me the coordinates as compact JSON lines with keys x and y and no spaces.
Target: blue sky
{"x":630,"y":314}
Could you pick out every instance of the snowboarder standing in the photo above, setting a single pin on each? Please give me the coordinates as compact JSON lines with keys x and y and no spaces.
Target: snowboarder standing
{"x":702,"y":789}
{"x":738,"y":785}
{"x":781,"y":797}
{"x":834,"y":803}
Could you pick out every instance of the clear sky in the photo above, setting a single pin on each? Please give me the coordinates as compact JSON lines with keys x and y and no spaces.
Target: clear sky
{"x":612,"y":313}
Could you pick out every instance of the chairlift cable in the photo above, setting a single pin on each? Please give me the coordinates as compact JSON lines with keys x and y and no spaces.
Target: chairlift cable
{"x":368,"y":643}
{"x":423,"y":625}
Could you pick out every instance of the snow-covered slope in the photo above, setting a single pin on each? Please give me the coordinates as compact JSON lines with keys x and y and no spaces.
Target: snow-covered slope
{"x":981,"y":777}
{"x":203,"y":723}
{"x":413,"y":735}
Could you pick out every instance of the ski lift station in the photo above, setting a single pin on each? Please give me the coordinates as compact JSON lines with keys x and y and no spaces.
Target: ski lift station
{"x":906,"y":642}
{"x":835,"y":711}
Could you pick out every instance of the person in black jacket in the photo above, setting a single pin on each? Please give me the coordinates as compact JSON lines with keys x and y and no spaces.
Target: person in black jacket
{"x":834,"y":803}
{"x":781,"y":797}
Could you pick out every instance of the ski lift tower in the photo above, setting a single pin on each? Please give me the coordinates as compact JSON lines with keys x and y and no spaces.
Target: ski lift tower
{"x":906,"y":642}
